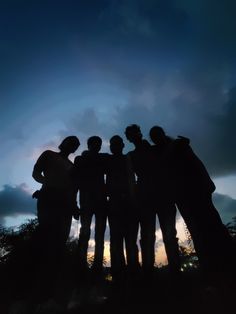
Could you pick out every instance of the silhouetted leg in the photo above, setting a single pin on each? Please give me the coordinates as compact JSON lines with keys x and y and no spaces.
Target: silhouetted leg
{"x":131,"y":235}
{"x":147,"y":230}
{"x":116,"y":245}
{"x":47,"y":245}
{"x":60,"y":264}
{"x":84,"y":236}
{"x":192,"y":220}
{"x":216,"y":233}
{"x":207,"y":231}
{"x":100,"y":227}
{"x":53,"y":231}
{"x":166,"y":213}
{"x":64,"y":226}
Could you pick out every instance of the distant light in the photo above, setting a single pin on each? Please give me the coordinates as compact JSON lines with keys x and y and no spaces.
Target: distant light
{"x":109,"y":277}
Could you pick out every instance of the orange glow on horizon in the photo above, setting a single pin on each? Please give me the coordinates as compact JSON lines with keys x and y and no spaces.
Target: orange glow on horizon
{"x":160,"y":254}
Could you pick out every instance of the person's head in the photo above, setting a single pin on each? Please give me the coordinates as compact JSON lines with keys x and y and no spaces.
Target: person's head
{"x":157,"y":134}
{"x":69,"y":145}
{"x":116,"y":144}
{"x":133,"y":133}
{"x":94,"y":143}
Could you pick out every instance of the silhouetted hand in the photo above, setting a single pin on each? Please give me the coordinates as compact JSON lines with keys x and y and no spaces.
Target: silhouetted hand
{"x":36,"y":194}
{"x":183,"y":140}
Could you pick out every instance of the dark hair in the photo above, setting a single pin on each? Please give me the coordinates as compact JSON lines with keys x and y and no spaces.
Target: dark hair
{"x":132,"y":128}
{"x":70,"y":141}
{"x":156,"y":130}
{"x":116,"y":138}
{"x":157,"y":134}
{"x":94,"y":140}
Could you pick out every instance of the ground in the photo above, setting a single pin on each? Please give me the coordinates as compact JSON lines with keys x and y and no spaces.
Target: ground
{"x":187,"y":293}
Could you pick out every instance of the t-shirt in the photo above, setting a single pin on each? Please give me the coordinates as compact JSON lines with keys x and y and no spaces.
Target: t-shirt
{"x":142,"y":160}
{"x":90,"y":171}
{"x":120,"y":179}
{"x":56,"y":170}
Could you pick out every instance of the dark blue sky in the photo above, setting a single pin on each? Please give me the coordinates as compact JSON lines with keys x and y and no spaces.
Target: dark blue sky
{"x":93,"y":67}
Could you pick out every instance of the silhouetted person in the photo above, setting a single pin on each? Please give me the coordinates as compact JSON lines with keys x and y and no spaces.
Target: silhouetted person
{"x":120,"y":183}
{"x":56,"y":203}
{"x":165,"y":208}
{"x":90,"y":170}
{"x":142,"y":159}
{"x":192,"y":188}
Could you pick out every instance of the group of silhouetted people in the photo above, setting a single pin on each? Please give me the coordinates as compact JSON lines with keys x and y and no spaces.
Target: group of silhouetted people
{"x":130,"y":191}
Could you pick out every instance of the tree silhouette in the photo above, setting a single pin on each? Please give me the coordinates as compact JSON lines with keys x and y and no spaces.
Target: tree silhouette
{"x":188,"y":258}
{"x":12,"y":241}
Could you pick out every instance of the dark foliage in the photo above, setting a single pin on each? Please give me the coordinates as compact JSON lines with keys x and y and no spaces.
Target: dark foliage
{"x":186,"y":293}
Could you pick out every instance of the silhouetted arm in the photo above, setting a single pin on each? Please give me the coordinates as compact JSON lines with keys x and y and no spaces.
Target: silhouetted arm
{"x":73,"y":176}
{"x":131,"y":177}
{"x":174,"y":146}
{"x":197,"y":171}
{"x":182,"y":142}
{"x":38,"y":176}
{"x":78,"y":172}
{"x":39,"y":168}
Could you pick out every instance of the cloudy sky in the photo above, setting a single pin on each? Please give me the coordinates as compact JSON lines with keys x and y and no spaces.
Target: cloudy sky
{"x":95,"y":66}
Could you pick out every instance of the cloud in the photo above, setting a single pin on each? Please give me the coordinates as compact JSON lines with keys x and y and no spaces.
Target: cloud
{"x":173,"y":62}
{"x":87,"y":123}
{"x":198,"y":106}
{"x":222,"y":147}
{"x":15,"y":201}
{"x":226,"y":206}
{"x":37,"y":151}
{"x":186,"y":102}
